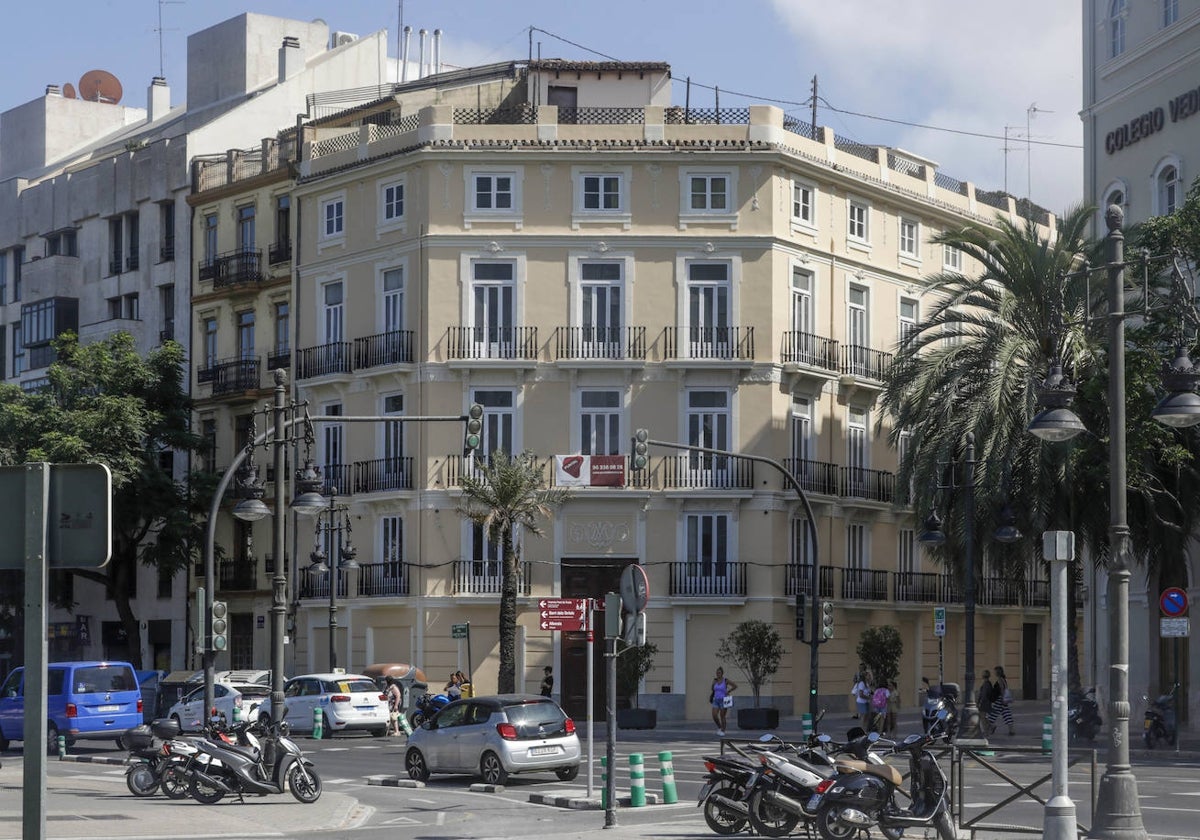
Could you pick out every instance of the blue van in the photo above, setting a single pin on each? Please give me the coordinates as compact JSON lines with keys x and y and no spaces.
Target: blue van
{"x":84,"y":700}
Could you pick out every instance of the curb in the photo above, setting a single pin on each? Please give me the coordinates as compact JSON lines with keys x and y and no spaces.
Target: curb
{"x":582,"y":804}
{"x":483,"y":787}
{"x":92,"y":759}
{"x":394,"y":781}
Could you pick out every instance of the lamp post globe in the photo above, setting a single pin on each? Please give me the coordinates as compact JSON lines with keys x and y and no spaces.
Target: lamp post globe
{"x":251,"y":510}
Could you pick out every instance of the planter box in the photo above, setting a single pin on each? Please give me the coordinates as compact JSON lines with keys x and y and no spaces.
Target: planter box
{"x":758,"y":719}
{"x":637,"y":718}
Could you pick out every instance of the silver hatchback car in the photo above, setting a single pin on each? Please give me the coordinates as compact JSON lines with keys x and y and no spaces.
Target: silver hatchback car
{"x":494,"y":736}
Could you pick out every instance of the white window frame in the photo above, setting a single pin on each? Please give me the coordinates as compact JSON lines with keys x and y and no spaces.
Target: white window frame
{"x":951,"y":259}
{"x":614,"y":435}
{"x":909,"y":238}
{"x":389,"y":220}
{"x":1117,"y":189}
{"x":858,"y":223}
{"x":1168,"y":195}
{"x":1117,"y":12}
{"x":719,"y":569}
{"x":803,"y":431}
{"x":908,"y":557}
{"x":803,"y":206}
{"x":381,"y":292}
{"x":331,"y":230}
{"x":907,"y":324}
{"x":621,"y":214}
{"x":473,"y":214}
{"x":689,"y":215}
{"x":699,"y":462}
{"x":858,"y":547}
{"x":391,"y":546}
{"x":1170,"y":12}
{"x":498,"y":420}
{"x":576,"y":261}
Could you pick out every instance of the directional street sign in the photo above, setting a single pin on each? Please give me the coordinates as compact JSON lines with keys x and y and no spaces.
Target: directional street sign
{"x":568,"y":614}
{"x":1173,"y":602}
{"x":939,"y":621}
{"x":460,"y":631}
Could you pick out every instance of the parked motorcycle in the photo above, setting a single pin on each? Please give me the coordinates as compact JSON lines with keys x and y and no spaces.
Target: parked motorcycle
{"x":1083,"y":715}
{"x":427,"y":705}
{"x":259,"y":766}
{"x":1159,"y":723}
{"x":724,"y":791}
{"x":790,"y":776}
{"x":938,"y":698}
{"x":156,"y":759}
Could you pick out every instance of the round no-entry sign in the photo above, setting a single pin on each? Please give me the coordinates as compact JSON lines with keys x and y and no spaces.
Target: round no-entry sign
{"x":1173,"y":602}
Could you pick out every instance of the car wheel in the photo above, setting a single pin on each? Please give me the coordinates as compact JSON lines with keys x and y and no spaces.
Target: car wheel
{"x":492,"y":769}
{"x":566,"y":774}
{"x":379,"y":731}
{"x":414,"y":764}
{"x":51,"y":738}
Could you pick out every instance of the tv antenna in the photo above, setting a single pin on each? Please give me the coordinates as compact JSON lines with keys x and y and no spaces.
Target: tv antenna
{"x":159,"y":29}
{"x":1029,"y":112}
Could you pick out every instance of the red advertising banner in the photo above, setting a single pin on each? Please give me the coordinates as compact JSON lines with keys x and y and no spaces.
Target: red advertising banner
{"x":589,"y":470}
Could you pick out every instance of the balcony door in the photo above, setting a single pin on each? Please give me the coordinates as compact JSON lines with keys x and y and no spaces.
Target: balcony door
{"x":857,"y":330}
{"x":494,"y":316}
{"x":856,"y":451}
{"x":708,"y":311}
{"x":393,"y":443}
{"x":708,"y":426}
{"x":803,"y":343}
{"x":706,"y":569}
{"x":499,"y":421}
{"x":600,"y":319}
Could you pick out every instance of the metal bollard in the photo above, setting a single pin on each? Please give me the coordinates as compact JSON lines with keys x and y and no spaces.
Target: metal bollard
{"x":237,"y":714}
{"x":604,"y":782}
{"x":637,"y":781}
{"x":318,"y":725}
{"x":1047,"y":734}
{"x":667,"y":769}
{"x":402,"y":722}
{"x":806,"y":725}
{"x":62,"y":746}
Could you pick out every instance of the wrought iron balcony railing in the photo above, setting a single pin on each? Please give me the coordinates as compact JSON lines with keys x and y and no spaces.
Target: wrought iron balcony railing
{"x":323,"y":360}
{"x":389,"y":348}
{"x":237,"y":576}
{"x":799,"y":580}
{"x":278,"y":252}
{"x":492,"y":343}
{"x":814,"y":476}
{"x":383,"y":474}
{"x":231,"y":376}
{"x":377,"y":580}
{"x":615,"y":343}
{"x":864,"y":584}
{"x":864,"y":362}
{"x":730,"y":343}
{"x":482,"y":577}
{"x":700,"y":470}
{"x":925,"y":588}
{"x":860,"y":483}
{"x":708,"y":578}
{"x":802,"y":348}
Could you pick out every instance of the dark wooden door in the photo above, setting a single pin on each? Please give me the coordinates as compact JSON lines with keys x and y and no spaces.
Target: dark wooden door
{"x":1031,"y":653}
{"x":586,"y":578}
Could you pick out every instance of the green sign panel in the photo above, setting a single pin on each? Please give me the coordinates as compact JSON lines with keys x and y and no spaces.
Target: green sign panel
{"x":460,"y":631}
{"x":78,"y":515}
{"x":939,"y":621}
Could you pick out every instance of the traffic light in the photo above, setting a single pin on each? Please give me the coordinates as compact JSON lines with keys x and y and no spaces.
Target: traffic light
{"x":827,"y":620}
{"x":800,"y":599}
{"x":641,"y":450}
{"x":219,"y":625}
{"x":474,"y":433}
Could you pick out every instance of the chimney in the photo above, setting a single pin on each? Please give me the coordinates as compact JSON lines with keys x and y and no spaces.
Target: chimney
{"x":424,"y":33}
{"x":404,"y":55}
{"x":53,"y":90}
{"x":437,"y":51}
{"x":291,"y":61}
{"x":158,"y":98}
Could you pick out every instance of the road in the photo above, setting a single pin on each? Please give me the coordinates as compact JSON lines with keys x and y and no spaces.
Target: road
{"x":95,"y":794}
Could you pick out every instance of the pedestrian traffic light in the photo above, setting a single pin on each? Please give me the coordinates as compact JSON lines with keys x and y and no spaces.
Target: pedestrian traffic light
{"x":474,"y":433}
{"x":641,"y":449}
{"x":219,"y":625}
{"x":800,"y":599}
{"x":827,"y":620}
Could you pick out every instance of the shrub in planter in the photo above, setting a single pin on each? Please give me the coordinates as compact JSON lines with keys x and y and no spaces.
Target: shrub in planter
{"x":633,"y":663}
{"x":756,"y":649}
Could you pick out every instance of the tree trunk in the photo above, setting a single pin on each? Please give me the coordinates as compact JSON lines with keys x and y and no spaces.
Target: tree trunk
{"x":506,"y":680}
{"x":116,"y":580}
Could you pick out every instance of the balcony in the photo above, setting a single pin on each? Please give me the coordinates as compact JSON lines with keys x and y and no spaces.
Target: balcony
{"x":338,"y":479}
{"x":281,"y":358}
{"x":871,"y":485}
{"x":166,"y":251}
{"x":802,"y":349}
{"x":799,"y":580}
{"x":864,"y":585}
{"x":389,"y":348}
{"x":279,"y":252}
{"x":709,"y":472}
{"x":237,"y":576}
{"x":474,"y":343}
{"x":324,"y":360}
{"x":234,"y":268}
{"x":708,"y":578}
{"x":383,"y":474}
{"x":926,"y":588}
{"x":379,"y":580}
{"x":316,"y":584}
{"x":600,"y":344}
{"x":864,"y":363}
{"x":730,"y":344}
{"x":482,"y":577}
{"x":232,"y":376}
{"x":1013,"y":592}
{"x":460,"y":466}
{"x":114,"y":264}
{"x":814,"y":476}
{"x":131,"y":262}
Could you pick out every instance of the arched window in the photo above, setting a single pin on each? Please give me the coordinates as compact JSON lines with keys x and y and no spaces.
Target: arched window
{"x":1116,"y":27}
{"x":1115,"y":193}
{"x":1167,"y":189}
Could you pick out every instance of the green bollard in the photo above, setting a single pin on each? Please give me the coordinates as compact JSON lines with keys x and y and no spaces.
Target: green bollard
{"x":667,"y":769}
{"x":62,"y":746}
{"x":637,"y":781}
{"x":318,"y":725}
{"x":1047,"y":734}
{"x":806,"y":725}
{"x":237,"y":714}
{"x":604,"y":782}
{"x":402,"y":722}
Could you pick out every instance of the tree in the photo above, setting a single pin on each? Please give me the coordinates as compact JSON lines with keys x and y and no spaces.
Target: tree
{"x":633,"y":663}
{"x":879,"y":650}
{"x":755,"y":648}
{"x":509,"y":495}
{"x":107,"y":404}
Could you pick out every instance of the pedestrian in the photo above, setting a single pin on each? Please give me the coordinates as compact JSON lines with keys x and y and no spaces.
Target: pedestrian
{"x":879,"y":706}
{"x":861,"y":692}
{"x":1001,"y":700}
{"x":395,"y":699}
{"x":983,"y":697}
{"x":465,"y":688}
{"x":453,"y":688}
{"x":548,"y":681}
{"x":721,"y":700}
{"x":893,"y":709}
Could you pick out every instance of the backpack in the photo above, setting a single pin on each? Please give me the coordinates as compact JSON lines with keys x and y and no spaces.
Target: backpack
{"x":879,"y":699}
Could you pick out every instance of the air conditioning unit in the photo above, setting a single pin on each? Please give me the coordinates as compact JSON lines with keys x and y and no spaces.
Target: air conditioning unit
{"x":340,"y":38}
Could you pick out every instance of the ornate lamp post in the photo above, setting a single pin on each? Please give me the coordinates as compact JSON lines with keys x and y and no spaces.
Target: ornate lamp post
{"x":337,"y":521}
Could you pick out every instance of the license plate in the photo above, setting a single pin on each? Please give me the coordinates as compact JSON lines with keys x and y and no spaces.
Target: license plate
{"x":108,"y":708}
{"x":368,"y":709}
{"x":814,"y":802}
{"x":543,"y":750}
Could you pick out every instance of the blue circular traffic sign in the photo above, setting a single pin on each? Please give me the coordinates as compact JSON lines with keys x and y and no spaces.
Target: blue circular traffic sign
{"x":1173,"y":602}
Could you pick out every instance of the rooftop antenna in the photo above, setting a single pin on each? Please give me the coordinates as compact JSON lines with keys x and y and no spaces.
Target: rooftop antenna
{"x":1007,"y":150}
{"x":399,"y":32}
{"x":159,"y":29}
{"x":1029,"y":112}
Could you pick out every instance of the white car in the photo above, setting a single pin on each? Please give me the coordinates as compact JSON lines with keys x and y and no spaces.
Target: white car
{"x":245,"y":697}
{"x":344,"y":701}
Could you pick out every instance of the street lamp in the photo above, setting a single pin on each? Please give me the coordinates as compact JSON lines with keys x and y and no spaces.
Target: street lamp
{"x":337,"y":519}
{"x":1118,"y":813}
{"x":971,"y":730}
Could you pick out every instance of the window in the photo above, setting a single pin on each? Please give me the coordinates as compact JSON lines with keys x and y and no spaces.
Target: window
{"x":493,"y":195}
{"x":858,"y":214}
{"x":803,"y":205}
{"x":1170,"y":12}
{"x":709,"y":318}
{"x":951,"y":258}
{"x":18,"y":254}
{"x":802,"y":301}
{"x":245,"y":227}
{"x":802,"y":549}
{"x":18,"y":350}
{"x":166,"y":304}
{"x":909,"y":310}
{"x":485,"y":572}
{"x":333,"y":310}
{"x":3,"y":277}
{"x":332,"y":220}
{"x":856,"y":451}
{"x":856,"y":547}
{"x":41,"y":322}
{"x":131,"y":309}
{"x":393,"y":300}
{"x":210,"y":239}
{"x":208,"y":432}
{"x":63,"y":243}
{"x":909,"y":238}
{"x":708,"y":425}
{"x":282,"y":325}
{"x":210,"y":342}
{"x":801,"y":433}
{"x":333,"y":436}
{"x":1115,"y":195}
{"x":493,"y":192}
{"x":116,"y":244}
{"x":390,"y":575}
{"x":133,"y":241}
{"x":3,"y":352}
{"x":493,"y":303}
{"x":601,"y":316}
{"x":600,"y":423}
{"x":906,"y":553}
{"x":166,"y":221}
{"x":1167,"y":189}
{"x":707,"y":563}
{"x":245,"y":327}
{"x":1116,"y":26}
{"x":858,"y":330}
{"x":391,"y":201}
{"x":499,"y":415}
{"x":601,"y":196}
{"x":114,"y":308}
{"x":601,"y":192}
{"x":708,"y":192}
{"x":708,"y":195}
{"x":393,"y":433}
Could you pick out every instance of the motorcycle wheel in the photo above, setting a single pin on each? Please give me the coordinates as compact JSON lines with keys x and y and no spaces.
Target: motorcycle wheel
{"x":770,"y":820}
{"x":204,"y":793}
{"x":416,"y":718}
{"x":892,"y":832}
{"x":719,"y":819}
{"x":174,"y":782}
{"x":829,"y":824}
{"x":945,"y":826}
{"x":140,"y":780}
{"x":304,"y":783}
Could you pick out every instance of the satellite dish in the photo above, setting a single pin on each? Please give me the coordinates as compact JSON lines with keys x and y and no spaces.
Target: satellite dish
{"x":68,"y":91}
{"x":100,"y":86}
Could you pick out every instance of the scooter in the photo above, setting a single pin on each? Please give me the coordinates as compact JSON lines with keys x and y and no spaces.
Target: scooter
{"x":724,"y":791}
{"x":259,"y":767}
{"x":1083,"y":715}
{"x":938,"y":698}
{"x":866,"y":795}
{"x":776,"y":803}
{"x":158,"y":759}
{"x":427,"y":705}
{"x":1159,"y":724}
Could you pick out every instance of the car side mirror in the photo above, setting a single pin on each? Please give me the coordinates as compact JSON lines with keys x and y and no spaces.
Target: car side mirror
{"x":428,"y":724}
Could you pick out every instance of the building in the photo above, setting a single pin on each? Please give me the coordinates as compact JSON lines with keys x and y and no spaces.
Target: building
{"x":582,"y":258}
{"x":94,"y":237}
{"x":1141,"y":115}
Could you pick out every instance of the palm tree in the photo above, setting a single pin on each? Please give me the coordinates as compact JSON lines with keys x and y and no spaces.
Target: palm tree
{"x":507,"y":495}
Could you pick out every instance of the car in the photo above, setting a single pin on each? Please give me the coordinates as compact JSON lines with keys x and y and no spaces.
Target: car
{"x":189,"y":712}
{"x":344,"y":701}
{"x":83,"y":700}
{"x":494,"y":736}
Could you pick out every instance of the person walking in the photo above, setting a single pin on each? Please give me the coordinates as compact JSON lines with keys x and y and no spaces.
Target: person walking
{"x":1001,"y":698}
{"x":983,"y":697}
{"x":721,"y":699}
{"x":893,"y":709}
{"x":879,"y":706}
{"x":395,"y":700}
{"x":548,"y":681}
{"x":861,"y":692}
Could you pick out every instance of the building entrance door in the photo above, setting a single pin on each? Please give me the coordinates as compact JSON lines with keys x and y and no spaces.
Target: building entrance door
{"x":587,"y":578}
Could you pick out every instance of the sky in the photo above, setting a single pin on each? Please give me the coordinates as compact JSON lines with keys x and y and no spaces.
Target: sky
{"x":989,"y":91}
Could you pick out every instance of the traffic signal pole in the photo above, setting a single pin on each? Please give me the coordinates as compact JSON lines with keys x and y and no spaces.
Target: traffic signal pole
{"x":642,"y":439}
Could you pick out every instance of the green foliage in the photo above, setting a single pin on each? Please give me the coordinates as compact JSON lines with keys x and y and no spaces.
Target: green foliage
{"x":879,"y":651}
{"x":756,"y":649}
{"x":508,"y":495}
{"x":633,"y":663}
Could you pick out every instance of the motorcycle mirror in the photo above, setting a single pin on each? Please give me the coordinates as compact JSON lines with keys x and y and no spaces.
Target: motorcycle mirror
{"x":872,"y":737}
{"x":766,"y":739}
{"x":824,"y":739}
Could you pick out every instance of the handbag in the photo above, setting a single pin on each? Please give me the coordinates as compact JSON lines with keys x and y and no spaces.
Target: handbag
{"x":727,"y":701}
{"x":1008,"y":695}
